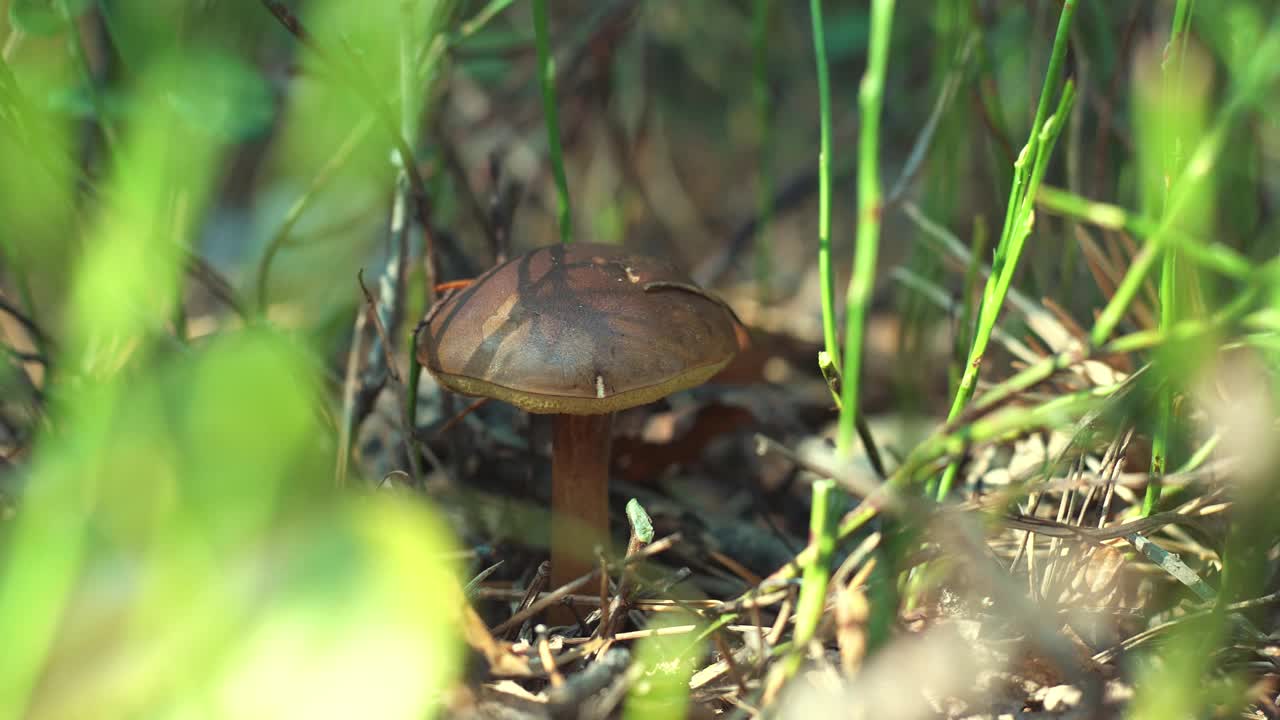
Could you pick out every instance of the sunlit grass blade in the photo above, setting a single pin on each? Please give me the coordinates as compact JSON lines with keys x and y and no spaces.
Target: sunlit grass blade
{"x":1176,"y":119}
{"x":1019,"y":218}
{"x":664,"y":666}
{"x":862,"y":282}
{"x":816,"y":576}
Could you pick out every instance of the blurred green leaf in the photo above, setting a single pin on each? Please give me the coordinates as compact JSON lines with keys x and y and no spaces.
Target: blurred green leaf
{"x":1234,"y":31}
{"x":223,"y":96}
{"x":77,"y":101}
{"x":130,"y":276}
{"x":37,"y":176}
{"x":182,"y":551}
{"x":44,"y":17}
{"x":666,"y":663}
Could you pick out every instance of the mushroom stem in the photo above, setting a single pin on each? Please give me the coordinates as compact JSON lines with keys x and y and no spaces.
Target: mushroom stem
{"x":579,"y":493}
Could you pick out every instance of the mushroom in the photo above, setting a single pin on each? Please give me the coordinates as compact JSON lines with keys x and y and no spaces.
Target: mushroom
{"x":577,"y":331}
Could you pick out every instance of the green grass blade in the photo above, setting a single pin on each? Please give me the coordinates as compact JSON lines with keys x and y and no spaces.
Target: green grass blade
{"x":1028,"y":169}
{"x":858,"y":297}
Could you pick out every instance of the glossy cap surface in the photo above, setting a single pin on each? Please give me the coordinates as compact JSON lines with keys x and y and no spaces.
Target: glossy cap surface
{"x":578,"y":329}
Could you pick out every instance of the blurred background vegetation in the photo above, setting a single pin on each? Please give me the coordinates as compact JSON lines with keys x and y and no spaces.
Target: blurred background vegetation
{"x":188,"y":189}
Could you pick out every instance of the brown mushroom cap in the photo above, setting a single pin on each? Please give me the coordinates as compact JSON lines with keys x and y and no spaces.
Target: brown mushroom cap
{"x":580,"y":329}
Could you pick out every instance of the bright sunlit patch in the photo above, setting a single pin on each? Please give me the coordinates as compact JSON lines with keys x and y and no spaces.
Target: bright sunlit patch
{"x":667,"y":663}
{"x":365,"y":626}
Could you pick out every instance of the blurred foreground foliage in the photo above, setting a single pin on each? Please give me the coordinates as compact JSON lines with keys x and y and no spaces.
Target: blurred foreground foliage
{"x":179,"y":548}
{"x":173,"y":543}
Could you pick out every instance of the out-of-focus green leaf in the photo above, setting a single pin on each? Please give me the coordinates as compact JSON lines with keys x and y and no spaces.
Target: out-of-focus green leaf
{"x":37,"y":176}
{"x":44,"y":17}
{"x":224,"y":97}
{"x":1234,"y":30}
{"x":182,"y":552}
{"x":346,"y":613}
{"x":76,"y":101}
{"x":361,"y":43}
{"x":360,"y":628}
{"x":130,"y":275}
{"x":666,"y":663}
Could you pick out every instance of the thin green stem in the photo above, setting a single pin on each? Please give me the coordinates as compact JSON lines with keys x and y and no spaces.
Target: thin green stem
{"x":825,"y":272}
{"x":817,"y":574}
{"x":1028,"y":170}
{"x":862,"y":282}
{"x":482,"y":18}
{"x":1171,"y":70}
{"x":551,"y":112}
{"x":965,"y":332}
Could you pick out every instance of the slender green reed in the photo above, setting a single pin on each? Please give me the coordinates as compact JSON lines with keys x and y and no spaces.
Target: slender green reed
{"x":1171,"y":70}
{"x":825,"y":273}
{"x":862,"y":282}
{"x":817,"y":575}
{"x":482,"y":17}
{"x":550,"y":110}
{"x":871,"y":99}
{"x":1028,"y":171}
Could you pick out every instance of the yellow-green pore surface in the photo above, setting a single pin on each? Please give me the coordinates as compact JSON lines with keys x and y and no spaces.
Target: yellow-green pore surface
{"x":579,"y":328}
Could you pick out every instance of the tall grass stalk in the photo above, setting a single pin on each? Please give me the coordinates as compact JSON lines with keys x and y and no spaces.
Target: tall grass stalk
{"x":813,"y":591}
{"x":862,"y":281}
{"x":825,"y":273}
{"x":1028,"y":171}
{"x":551,"y":113}
{"x":1171,"y":70}
{"x":482,"y":17}
{"x":817,"y":576}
